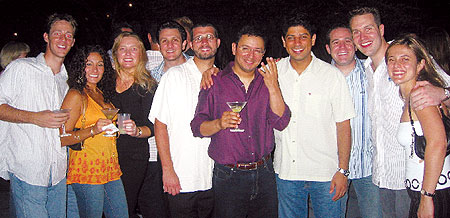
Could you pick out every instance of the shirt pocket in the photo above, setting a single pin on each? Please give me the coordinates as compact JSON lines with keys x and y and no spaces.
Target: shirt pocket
{"x":314,"y":105}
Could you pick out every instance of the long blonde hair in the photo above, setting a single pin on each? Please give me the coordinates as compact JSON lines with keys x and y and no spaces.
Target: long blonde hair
{"x":141,"y":76}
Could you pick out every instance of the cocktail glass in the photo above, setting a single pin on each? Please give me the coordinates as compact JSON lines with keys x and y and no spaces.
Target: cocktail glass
{"x":110,"y":113}
{"x":63,"y":127}
{"x":237,"y":106}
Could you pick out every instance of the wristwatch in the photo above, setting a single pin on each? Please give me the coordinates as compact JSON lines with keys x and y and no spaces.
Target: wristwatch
{"x":427,"y":193}
{"x":345,"y":172}
{"x":139,"y":132}
{"x":447,"y":94}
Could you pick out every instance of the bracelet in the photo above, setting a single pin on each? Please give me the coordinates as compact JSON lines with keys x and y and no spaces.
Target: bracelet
{"x":139,"y":132}
{"x":92,"y":132}
{"x":427,"y":193}
{"x":77,"y":137}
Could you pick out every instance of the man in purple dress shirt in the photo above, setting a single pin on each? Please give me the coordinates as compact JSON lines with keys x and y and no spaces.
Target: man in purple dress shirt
{"x":244,"y":179}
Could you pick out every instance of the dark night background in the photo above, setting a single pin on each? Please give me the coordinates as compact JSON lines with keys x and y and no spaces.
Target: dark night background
{"x":28,"y":18}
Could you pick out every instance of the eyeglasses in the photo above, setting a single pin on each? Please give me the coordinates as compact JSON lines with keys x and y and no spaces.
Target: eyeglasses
{"x":246,"y":50}
{"x":208,"y":37}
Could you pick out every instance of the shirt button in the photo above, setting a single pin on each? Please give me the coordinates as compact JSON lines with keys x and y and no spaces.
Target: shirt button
{"x":293,"y":161}
{"x":253,"y":153}
{"x":249,"y":136}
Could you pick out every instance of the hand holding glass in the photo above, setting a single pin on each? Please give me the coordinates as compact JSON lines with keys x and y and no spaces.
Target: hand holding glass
{"x":63,"y":127}
{"x":122,"y":117}
{"x":110,"y":113}
{"x":237,"y":107}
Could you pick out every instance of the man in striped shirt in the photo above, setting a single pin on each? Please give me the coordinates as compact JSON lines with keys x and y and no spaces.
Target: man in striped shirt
{"x":33,"y":159}
{"x":342,"y":50}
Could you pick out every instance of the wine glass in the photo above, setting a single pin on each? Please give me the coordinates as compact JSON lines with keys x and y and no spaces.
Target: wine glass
{"x":237,"y":106}
{"x":63,"y":127}
{"x":110,"y":113}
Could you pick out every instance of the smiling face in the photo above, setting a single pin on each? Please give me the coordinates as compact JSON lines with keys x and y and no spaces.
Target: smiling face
{"x":128,"y":53}
{"x":171,"y":44}
{"x":402,"y":63}
{"x":60,"y":39}
{"x":248,"y":53}
{"x":204,"y":43}
{"x":94,"y":68}
{"x":367,"y":35}
{"x":298,"y":43}
{"x":341,"y":47}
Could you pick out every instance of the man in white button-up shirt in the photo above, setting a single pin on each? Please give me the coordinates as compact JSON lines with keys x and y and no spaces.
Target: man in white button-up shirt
{"x":311,"y":154}
{"x":32,"y":156}
{"x":385,"y":109}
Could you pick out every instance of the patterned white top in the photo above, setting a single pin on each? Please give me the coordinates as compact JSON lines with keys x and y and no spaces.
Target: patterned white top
{"x":385,"y":109}
{"x":30,"y":152}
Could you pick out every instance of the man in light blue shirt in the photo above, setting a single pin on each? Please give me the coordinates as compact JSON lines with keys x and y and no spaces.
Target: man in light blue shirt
{"x":342,"y":50}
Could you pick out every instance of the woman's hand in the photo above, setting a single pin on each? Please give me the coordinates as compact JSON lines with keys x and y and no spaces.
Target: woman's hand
{"x":131,"y":128}
{"x":98,"y":128}
{"x":426,"y":207}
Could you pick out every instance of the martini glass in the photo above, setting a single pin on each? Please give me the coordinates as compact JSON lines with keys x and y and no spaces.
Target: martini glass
{"x":110,"y":113}
{"x":237,"y":106}
{"x":63,"y":127}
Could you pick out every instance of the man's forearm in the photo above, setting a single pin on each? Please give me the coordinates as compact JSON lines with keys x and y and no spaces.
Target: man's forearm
{"x":162,"y":143}
{"x":14,"y":115}
{"x":344,"y":140}
{"x":276,"y":101}
{"x":209,"y":128}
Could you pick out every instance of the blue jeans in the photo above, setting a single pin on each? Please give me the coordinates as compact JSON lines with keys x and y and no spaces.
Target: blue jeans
{"x":245,"y":193}
{"x":38,"y":201}
{"x":72,"y":206}
{"x":293,"y":199}
{"x":394,"y":203}
{"x":93,"y":200}
{"x":368,"y":198}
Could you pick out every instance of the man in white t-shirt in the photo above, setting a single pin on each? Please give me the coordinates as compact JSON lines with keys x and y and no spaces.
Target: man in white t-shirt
{"x":187,"y":168}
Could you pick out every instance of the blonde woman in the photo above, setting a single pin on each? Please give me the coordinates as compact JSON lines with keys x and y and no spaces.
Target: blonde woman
{"x":134,"y":95}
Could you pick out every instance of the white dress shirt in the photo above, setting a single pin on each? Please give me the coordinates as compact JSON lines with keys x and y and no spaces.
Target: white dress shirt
{"x":174,"y":105}
{"x":32,"y":153}
{"x":318,"y":98}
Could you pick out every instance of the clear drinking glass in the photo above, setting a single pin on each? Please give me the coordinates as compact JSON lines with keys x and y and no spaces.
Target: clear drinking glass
{"x":63,"y":127}
{"x":237,"y":106}
{"x":110,"y":113}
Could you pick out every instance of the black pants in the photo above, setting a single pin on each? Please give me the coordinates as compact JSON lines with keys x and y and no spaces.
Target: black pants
{"x":199,"y":204}
{"x":148,"y":197}
{"x":441,"y":203}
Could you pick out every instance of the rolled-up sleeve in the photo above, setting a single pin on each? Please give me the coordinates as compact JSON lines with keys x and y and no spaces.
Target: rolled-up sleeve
{"x":204,"y":110}
{"x":279,"y":123}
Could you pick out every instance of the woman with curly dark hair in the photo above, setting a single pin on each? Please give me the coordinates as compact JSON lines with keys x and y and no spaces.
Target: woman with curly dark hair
{"x":94,"y":171}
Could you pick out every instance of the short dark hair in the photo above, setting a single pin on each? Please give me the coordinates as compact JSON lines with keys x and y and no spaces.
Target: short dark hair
{"x":366,"y":10}
{"x":151,"y":27}
{"x":216,"y":34}
{"x":171,"y":25}
{"x":299,"y":19}
{"x":333,"y":27}
{"x":57,"y":17}
{"x":250,"y":30}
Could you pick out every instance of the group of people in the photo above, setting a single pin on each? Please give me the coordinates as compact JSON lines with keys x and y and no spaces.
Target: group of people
{"x":255,"y":139}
